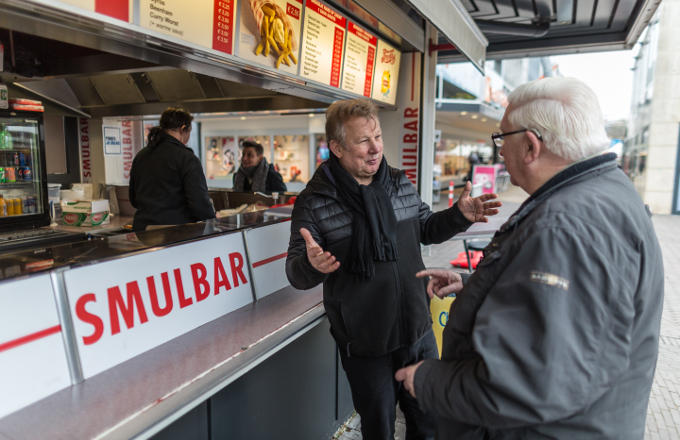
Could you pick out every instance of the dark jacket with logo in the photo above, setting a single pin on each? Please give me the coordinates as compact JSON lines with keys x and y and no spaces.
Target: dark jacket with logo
{"x":369,"y":318}
{"x":167,"y":185}
{"x":556,"y":333}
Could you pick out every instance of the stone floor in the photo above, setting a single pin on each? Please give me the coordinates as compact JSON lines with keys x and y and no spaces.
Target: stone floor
{"x":663,"y":414}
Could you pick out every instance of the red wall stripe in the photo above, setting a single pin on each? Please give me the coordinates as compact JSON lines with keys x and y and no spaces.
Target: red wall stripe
{"x":29,"y":338}
{"x":270,"y":259}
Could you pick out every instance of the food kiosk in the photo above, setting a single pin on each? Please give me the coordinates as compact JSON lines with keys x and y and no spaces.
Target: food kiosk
{"x":194,"y":328}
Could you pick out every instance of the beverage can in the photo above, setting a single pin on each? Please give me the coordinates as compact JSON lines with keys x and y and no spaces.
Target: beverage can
{"x":10,"y":175}
{"x":27,"y":174}
{"x":10,"y":206}
{"x":18,"y":206}
{"x":26,"y":205}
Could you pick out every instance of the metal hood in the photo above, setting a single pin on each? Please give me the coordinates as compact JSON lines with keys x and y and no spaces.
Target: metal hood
{"x":94,"y":83}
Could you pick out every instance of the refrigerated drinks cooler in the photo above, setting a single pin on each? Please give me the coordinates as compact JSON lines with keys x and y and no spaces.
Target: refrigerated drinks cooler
{"x":23,"y":178}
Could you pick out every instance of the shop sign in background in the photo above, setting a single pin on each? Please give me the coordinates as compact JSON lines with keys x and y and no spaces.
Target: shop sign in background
{"x":251,"y":20}
{"x":386,"y":76}
{"x":359,"y":62}
{"x":322,"y":44}
{"x":119,"y":9}
{"x":205,"y":23}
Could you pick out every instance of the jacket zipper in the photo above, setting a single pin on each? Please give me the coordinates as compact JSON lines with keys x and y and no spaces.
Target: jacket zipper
{"x":400,"y":303}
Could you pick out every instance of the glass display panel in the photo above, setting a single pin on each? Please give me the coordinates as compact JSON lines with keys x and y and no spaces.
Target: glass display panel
{"x":291,"y":157}
{"x":20,"y":185}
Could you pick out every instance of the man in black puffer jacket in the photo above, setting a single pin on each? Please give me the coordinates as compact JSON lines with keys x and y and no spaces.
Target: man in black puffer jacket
{"x":556,"y":334}
{"x":357,"y":228}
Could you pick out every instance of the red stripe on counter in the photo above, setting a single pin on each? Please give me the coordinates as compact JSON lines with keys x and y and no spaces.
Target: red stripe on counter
{"x":270,"y":259}
{"x":30,"y":338}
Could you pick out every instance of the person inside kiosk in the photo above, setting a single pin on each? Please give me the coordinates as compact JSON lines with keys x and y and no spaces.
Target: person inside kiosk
{"x":357,"y":228}
{"x":255,"y":174}
{"x":167,"y":184}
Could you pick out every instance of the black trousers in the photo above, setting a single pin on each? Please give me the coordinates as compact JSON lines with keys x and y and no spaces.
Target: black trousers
{"x":375,"y":392}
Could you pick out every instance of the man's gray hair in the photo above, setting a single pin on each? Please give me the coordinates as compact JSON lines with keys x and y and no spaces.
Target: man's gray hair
{"x":342,"y":111}
{"x":566,"y":113}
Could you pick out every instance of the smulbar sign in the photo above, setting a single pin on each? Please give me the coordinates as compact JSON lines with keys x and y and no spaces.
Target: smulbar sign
{"x":125,"y":307}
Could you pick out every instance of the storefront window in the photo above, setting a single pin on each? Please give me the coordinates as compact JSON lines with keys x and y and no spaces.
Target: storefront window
{"x":291,"y":157}
{"x":322,"y":152}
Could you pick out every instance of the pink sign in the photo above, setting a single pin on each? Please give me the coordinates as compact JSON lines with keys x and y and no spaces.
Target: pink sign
{"x":486,"y":175}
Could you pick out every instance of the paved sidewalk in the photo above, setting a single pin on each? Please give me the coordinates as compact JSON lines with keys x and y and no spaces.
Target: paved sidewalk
{"x":663,"y":415}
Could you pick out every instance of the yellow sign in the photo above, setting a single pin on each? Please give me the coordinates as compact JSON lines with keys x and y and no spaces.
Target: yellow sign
{"x":439,"y":309}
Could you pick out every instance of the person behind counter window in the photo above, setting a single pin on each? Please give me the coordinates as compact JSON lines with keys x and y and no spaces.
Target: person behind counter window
{"x":255,"y":174}
{"x":357,"y":228}
{"x":556,"y":334}
{"x":167,"y":184}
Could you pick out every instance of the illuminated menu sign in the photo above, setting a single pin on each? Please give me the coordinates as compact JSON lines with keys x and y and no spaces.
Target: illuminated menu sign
{"x":386,"y":75}
{"x":322,"y":44}
{"x":357,"y":75}
{"x":119,"y":9}
{"x":207,"y":24}
{"x":269,"y":33}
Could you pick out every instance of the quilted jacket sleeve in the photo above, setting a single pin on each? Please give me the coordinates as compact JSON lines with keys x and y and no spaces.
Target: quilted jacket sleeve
{"x":299,"y":271}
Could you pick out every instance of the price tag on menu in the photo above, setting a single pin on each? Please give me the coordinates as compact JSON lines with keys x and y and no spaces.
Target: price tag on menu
{"x":269,"y":33}
{"x":322,"y":44}
{"x":357,"y":75}
{"x":119,"y":9}
{"x":386,"y":75}
{"x":207,"y":24}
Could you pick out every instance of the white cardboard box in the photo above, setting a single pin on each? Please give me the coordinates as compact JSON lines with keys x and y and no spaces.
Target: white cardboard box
{"x":85,"y":212}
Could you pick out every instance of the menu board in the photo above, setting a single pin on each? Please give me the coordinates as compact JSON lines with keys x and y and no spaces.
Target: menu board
{"x":269,"y":33}
{"x":322,"y":44}
{"x":119,"y":9}
{"x":386,"y":75}
{"x":357,"y":75}
{"x":189,"y":21}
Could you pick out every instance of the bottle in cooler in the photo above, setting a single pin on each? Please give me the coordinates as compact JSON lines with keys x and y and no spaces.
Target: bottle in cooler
{"x":3,"y":206}
{"x":18,"y":206}
{"x":9,"y":206}
{"x":27,"y":174}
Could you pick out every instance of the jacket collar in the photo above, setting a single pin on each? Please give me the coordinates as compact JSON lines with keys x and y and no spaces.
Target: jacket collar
{"x":560,"y":180}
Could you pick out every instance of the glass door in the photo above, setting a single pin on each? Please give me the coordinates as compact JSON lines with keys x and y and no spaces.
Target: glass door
{"x":20,"y":173}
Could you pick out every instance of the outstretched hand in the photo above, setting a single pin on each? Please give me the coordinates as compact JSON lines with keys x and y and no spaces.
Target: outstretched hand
{"x":324,"y":262}
{"x":443,"y":282}
{"x":476,"y":209}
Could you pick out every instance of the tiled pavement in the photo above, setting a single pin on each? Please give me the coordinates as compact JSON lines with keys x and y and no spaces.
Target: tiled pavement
{"x":663,"y":414}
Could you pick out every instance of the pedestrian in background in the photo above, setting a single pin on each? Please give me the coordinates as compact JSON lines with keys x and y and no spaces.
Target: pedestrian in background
{"x":167,"y":184}
{"x":357,"y":228}
{"x":556,"y":334}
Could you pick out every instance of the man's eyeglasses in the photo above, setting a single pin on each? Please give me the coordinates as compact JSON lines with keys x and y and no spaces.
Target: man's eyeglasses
{"x":497,"y":138}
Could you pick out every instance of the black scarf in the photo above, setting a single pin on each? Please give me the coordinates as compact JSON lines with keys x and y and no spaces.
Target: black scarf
{"x":374,"y":225}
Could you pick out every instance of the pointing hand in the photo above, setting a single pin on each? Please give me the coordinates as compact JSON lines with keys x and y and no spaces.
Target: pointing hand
{"x":442,"y":282}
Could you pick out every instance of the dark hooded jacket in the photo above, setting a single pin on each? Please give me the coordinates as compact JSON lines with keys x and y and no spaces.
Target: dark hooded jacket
{"x":369,"y":318}
{"x":167,"y":185}
{"x":556,"y":333}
